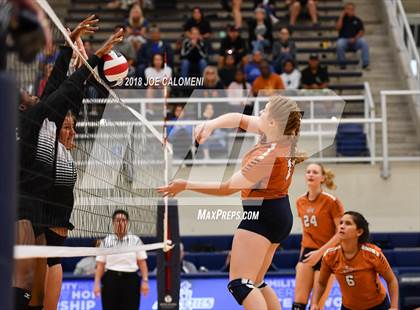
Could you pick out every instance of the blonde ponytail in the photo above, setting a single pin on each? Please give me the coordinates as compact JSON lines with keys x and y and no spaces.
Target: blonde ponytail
{"x":329,"y":178}
{"x":286,"y":111}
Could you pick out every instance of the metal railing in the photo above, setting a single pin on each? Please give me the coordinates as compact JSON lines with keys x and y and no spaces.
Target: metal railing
{"x":406,"y":40}
{"x":314,"y":126}
{"x":414,"y":21}
{"x":384,"y":93}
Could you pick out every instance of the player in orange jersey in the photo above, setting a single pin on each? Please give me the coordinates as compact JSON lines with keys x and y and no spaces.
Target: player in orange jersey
{"x":320,"y":213}
{"x":357,"y":265}
{"x":263,"y":180}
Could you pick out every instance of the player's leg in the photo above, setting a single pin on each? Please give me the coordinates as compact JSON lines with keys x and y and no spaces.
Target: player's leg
{"x":303,"y":286}
{"x":37,"y":299}
{"x":324,"y":296}
{"x":248,"y":253}
{"x":270,"y":296}
{"x":54,"y":279}
{"x":23,"y":274}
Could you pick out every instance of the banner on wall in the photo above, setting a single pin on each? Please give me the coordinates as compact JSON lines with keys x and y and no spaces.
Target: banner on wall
{"x":195,"y":293}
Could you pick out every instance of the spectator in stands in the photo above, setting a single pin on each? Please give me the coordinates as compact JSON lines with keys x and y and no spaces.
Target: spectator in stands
{"x":314,"y":76}
{"x":186,"y":266}
{"x":350,"y":36}
{"x":212,"y":86}
{"x":283,"y":49}
{"x":295,"y":7}
{"x":252,"y":69}
{"x":290,"y":76}
{"x":88,"y":48}
{"x":48,"y":56}
{"x":193,"y":52}
{"x":236,"y":13}
{"x":121,"y":285}
{"x":197,"y":20}
{"x":156,"y":72}
{"x":239,"y":88}
{"x":126,"y":48}
{"x":154,"y":45}
{"x":157,"y":69}
{"x":122,"y":4}
{"x":234,"y":43}
{"x":235,"y":9}
{"x":268,"y":82}
{"x":43,"y":82}
{"x":228,"y":71}
{"x":136,"y":27}
{"x":218,"y":138}
{"x":260,"y":32}
{"x":177,"y":113}
{"x":180,"y":136}
{"x":270,"y":9}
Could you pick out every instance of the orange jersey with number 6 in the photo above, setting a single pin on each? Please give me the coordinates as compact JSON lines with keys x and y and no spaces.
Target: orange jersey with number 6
{"x":358,"y":277}
{"x":318,"y":218}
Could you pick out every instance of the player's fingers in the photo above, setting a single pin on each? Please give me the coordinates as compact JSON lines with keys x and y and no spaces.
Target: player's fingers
{"x":90,"y":31}
{"x":162,"y":189}
{"x":91,"y":28}
{"x":90,"y":18}
{"x":94,"y":21}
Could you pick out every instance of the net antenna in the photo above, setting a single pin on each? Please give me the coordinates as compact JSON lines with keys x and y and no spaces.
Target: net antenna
{"x":168,"y":243}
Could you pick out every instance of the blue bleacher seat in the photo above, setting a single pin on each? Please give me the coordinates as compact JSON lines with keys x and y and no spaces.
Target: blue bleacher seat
{"x":401,"y":249}
{"x":351,"y":140}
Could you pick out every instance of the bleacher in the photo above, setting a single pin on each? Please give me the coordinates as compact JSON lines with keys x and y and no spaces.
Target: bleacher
{"x":308,"y":40}
{"x":401,"y":249}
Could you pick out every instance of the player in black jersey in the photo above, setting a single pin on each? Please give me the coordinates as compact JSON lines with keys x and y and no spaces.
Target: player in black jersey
{"x":39,"y":120}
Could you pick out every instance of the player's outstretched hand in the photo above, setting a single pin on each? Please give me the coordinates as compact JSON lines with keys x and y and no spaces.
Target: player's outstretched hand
{"x":175,"y":187}
{"x":202,"y":132}
{"x":109,"y":44}
{"x":87,"y":26}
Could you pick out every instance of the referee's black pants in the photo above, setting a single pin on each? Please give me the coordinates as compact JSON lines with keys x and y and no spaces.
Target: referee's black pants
{"x":120,"y":290}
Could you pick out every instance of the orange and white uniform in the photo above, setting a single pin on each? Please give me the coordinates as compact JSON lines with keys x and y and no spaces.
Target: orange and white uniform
{"x":317,"y":218}
{"x":269,"y":167}
{"x":358,"y":277}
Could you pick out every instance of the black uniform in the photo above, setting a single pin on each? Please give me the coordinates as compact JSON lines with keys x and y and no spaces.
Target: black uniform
{"x":37,"y":134}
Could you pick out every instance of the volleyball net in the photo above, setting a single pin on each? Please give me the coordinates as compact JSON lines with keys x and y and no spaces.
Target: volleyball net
{"x":120,"y":158}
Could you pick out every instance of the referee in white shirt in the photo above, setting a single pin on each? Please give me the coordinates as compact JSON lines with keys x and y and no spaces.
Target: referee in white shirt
{"x":121,"y":284}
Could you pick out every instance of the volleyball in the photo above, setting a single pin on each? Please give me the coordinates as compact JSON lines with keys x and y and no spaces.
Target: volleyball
{"x":113,"y":68}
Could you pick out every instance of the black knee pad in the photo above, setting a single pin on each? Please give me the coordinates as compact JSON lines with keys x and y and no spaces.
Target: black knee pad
{"x":53,"y":239}
{"x":297,"y":306}
{"x":261,"y":285}
{"x":240,"y":288}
